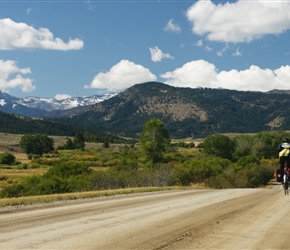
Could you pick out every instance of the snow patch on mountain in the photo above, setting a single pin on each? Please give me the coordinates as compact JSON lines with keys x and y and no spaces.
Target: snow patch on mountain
{"x":50,"y":104}
{"x":2,"y":102}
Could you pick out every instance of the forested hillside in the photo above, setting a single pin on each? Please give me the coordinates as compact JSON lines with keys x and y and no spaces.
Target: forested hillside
{"x":185,"y":112}
{"x":10,"y":123}
{"x":189,"y":112}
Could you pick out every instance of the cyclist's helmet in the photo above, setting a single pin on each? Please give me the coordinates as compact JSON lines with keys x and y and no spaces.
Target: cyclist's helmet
{"x":285,"y":140}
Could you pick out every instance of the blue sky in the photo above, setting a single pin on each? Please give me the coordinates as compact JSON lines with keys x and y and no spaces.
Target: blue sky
{"x":82,"y":48}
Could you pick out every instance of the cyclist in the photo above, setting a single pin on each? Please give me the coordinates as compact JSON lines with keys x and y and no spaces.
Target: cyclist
{"x":284,"y":153}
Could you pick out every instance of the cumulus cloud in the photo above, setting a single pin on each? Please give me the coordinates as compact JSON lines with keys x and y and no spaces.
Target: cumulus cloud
{"x":12,"y":77}
{"x":121,"y":76}
{"x":204,"y":74}
{"x":157,"y":55}
{"x":60,"y":97}
{"x":22,"y":36}
{"x":192,"y":74}
{"x":172,"y":27}
{"x":242,"y":21}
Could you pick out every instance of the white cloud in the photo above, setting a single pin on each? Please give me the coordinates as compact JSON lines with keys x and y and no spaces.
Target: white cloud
{"x":199,"y":43}
{"x":242,"y":21}
{"x":252,"y":79}
{"x":171,"y":27}
{"x":204,"y":74}
{"x":121,"y":76}
{"x":60,"y":97}
{"x":12,"y":77}
{"x":157,"y":55}
{"x":237,"y":52}
{"x":223,"y":50}
{"x":22,"y":36}
{"x":191,"y":74}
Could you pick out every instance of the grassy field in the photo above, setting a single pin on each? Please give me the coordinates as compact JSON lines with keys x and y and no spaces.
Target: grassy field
{"x":95,"y":155}
{"x":10,"y":143}
{"x":25,"y":167}
{"x":13,"y":174}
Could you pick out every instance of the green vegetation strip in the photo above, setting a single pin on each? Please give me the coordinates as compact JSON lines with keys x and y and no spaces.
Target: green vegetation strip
{"x":29,"y":200}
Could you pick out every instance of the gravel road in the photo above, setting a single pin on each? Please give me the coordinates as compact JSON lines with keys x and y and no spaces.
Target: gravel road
{"x":187,"y":219}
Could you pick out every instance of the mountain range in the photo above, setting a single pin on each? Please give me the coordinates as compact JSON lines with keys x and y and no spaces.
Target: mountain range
{"x":40,"y":107}
{"x":185,"y":112}
{"x":188,"y":112}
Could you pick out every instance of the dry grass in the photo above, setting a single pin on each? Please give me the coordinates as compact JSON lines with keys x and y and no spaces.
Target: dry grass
{"x":10,"y":143}
{"x":23,"y":173}
{"x":80,"y":195}
{"x":14,"y":175}
{"x":10,"y":139}
{"x":21,"y":157}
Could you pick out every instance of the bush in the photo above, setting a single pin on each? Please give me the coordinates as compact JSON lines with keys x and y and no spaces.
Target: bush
{"x":7,"y":158}
{"x":183,"y":144}
{"x":34,"y":165}
{"x":45,"y":161}
{"x":219,"y":182}
{"x":259,"y":176}
{"x":3,"y":178}
{"x":67,"y":169}
{"x":23,"y":166}
{"x":248,"y":161}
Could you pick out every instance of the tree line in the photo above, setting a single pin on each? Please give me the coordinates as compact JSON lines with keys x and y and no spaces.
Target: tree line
{"x":221,"y":161}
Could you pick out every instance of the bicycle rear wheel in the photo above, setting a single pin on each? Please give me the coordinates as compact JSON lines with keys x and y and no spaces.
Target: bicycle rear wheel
{"x":285,"y":185}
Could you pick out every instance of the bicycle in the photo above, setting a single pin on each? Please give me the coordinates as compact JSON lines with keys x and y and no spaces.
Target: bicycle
{"x":286,"y":179}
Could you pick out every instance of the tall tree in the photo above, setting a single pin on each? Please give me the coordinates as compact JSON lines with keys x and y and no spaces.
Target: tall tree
{"x":154,"y":140}
{"x":79,"y":141}
{"x":36,"y":144}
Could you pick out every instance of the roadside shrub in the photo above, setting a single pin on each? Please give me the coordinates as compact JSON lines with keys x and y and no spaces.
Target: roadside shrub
{"x":259,"y":176}
{"x":218,"y":182}
{"x":12,"y":191}
{"x":181,"y":176}
{"x":240,"y":179}
{"x":248,"y":161}
{"x":162,"y":175}
{"x":202,"y":169}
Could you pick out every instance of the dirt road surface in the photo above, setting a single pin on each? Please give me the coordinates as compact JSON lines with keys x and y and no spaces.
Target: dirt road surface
{"x":187,"y":219}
